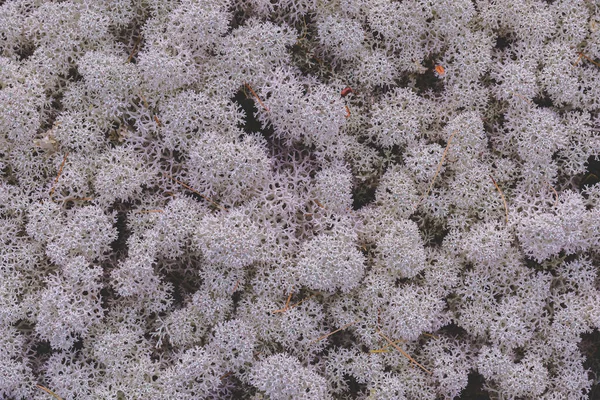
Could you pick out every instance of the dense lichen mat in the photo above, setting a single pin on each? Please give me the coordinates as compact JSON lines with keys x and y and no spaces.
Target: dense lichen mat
{"x":299,"y":199}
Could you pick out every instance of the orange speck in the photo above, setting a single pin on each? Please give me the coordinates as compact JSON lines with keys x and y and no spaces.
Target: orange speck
{"x":440,"y":70}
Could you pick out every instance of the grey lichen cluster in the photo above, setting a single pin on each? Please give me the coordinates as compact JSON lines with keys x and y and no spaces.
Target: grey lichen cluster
{"x":299,"y":199}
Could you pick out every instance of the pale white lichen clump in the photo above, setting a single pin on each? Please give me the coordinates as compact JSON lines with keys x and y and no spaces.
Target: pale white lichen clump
{"x":368,"y":199}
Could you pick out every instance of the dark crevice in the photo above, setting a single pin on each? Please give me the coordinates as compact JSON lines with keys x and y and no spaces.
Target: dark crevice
{"x":592,"y":174}
{"x":119,"y":246}
{"x":590,"y":348}
{"x":251,"y":124}
{"x":543,"y":100}
{"x":363,"y":195}
{"x":474,"y":389}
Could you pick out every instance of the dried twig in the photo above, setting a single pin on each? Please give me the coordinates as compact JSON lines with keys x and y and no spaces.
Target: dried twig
{"x":289,"y":307}
{"x":255,"y":95}
{"x":226,"y":375}
{"x":305,"y":30}
{"x":501,"y":194}
{"x":144,"y":100}
{"x":50,"y":392}
{"x":134,"y":50}
{"x":523,"y":97}
{"x":150,"y":211}
{"x":588,"y":58}
{"x":60,"y":170}
{"x":286,"y":307}
{"x":555,"y":193}
{"x":235,"y":286}
{"x":431,"y":336}
{"x":385,"y":348}
{"x":336,"y":331}
{"x":302,"y":301}
{"x":195,"y":191}
{"x":405,"y":354}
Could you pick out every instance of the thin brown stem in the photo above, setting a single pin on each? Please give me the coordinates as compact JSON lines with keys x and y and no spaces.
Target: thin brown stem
{"x":336,"y":331}
{"x":431,"y":336}
{"x":50,"y":392}
{"x":256,"y":96}
{"x":405,"y":354}
{"x":302,"y":301}
{"x":589,"y":59}
{"x":144,"y":100}
{"x":522,"y":97}
{"x":501,"y":194}
{"x":235,"y":286}
{"x":226,"y":375}
{"x":134,"y":50}
{"x":60,"y":170}
{"x":385,"y":348}
{"x":286,"y":307}
{"x":195,"y":191}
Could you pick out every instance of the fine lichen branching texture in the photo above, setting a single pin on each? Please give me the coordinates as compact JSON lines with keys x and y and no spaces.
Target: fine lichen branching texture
{"x":299,"y":199}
